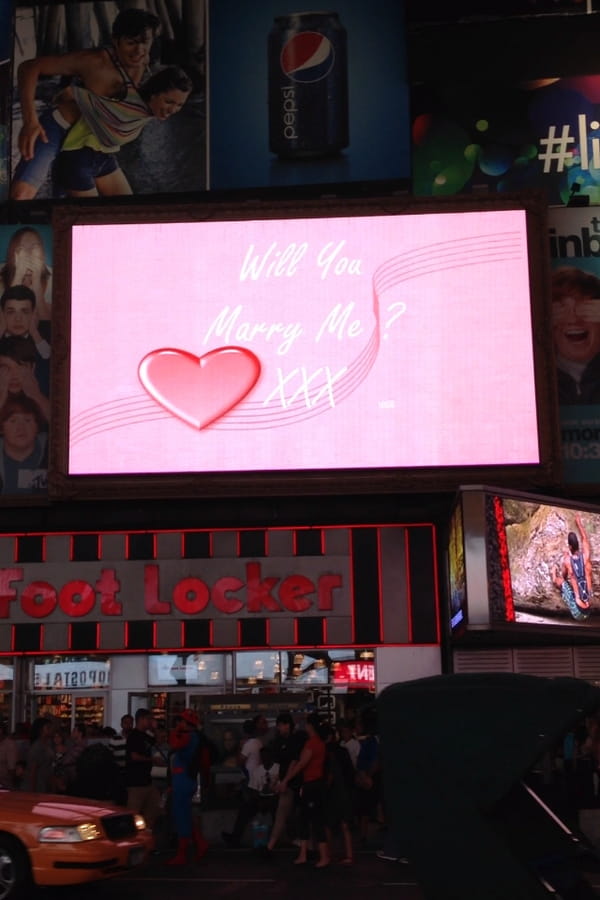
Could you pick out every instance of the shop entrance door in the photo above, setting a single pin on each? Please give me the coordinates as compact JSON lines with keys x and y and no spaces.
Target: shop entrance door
{"x":70,"y":708}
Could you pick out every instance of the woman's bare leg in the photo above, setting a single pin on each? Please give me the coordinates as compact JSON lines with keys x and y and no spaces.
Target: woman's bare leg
{"x":113,"y":185}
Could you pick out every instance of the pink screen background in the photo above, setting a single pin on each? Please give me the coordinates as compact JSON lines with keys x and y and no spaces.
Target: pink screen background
{"x":380,"y":341}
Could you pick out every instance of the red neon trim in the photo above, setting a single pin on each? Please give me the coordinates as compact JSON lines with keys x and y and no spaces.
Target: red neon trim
{"x":12,"y":638}
{"x":509,"y":604}
{"x":268,"y":632}
{"x":98,"y":635}
{"x":380,"y":585}
{"x":409,"y":616}
{"x":295,"y":633}
{"x":211,"y":632}
{"x":295,"y":541}
{"x":238,"y":543}
{"x":42,"y":635}
{"x":436,"y":583}
{"x":239,"y":632}
{"x":352,"y":589}
{"x":324,"y":623}
{"x":71,"y":547}
{"x":44,"y":547}
{"x":154,"y":545}
{"x":154,"y":635}
{"x":323,"y":548}
{"x":281,"y":647}
{"x":126,"y":634}
{"x":182,"y":633}
{"x":211,"y":543}
{"x":70,"y":635}
{"x":210,"y":531}
{"x":127,"y":540}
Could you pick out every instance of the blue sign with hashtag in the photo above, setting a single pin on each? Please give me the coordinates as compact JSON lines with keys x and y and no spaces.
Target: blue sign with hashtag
{"x":538,"y":134}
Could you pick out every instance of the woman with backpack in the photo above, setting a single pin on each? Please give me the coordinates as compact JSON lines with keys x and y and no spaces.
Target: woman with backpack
{"x":339,"y":776}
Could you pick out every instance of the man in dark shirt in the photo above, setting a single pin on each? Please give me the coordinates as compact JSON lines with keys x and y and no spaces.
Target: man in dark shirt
{"x":286,"y":747}
{"x":140,"y":753}
{"x":118,"y":743}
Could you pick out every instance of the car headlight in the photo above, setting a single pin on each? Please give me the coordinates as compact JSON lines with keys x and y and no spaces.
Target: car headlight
{"x":140,"y":823}
{"x":73,"y":834}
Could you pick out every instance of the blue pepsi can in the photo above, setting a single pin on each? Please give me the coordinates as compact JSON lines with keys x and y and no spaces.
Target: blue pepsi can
{"x":308,"y":85}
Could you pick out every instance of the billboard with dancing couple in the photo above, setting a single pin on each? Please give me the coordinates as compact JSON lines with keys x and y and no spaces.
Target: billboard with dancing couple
{"x":108,"y":100}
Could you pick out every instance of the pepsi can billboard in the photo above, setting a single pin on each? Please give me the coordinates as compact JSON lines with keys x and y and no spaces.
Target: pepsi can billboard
{"x":308,"y":86}
{"x":306,"y":97}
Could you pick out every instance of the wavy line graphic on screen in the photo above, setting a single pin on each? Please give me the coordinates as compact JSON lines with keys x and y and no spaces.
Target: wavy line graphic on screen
{"x":140,"y":408}
{"x":495,"y":249}
{"x":307,"y":57}
{"x":199,"y":389}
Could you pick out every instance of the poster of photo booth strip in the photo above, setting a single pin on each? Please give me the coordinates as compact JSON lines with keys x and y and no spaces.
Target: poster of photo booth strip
{"x":25,"y":349}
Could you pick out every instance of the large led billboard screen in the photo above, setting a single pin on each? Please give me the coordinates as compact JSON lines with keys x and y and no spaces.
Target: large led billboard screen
{"x":530,"y":563}
{"x":305,"y":340}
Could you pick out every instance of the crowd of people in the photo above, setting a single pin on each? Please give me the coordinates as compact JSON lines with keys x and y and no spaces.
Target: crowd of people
{"x":316,"y":785}
{"x":327,"y":787}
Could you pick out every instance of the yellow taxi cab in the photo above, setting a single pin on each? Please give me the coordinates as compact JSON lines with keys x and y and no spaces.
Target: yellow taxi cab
{"x":49,"y":839}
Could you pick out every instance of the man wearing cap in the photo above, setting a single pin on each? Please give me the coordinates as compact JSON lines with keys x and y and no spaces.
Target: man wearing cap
{"x":186,"y":762}
{"x":142,"y":794}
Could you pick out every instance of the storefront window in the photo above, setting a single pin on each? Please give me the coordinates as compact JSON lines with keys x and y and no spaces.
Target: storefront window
{"x":89,"y":710}
{"x":6,"y":676}
{"x":302,"y":668}
{"x":352,"y":671}
{"x":258,"y":670}
{"x":70,"y":689}
{"x":164,"y":706}
{"x":6,"y":685}
{"x":70,"y":708}
{"x":211,"y":671}
{"x":70,"y":673}
{"x":269,"y":671}
{"x":57,"y":706}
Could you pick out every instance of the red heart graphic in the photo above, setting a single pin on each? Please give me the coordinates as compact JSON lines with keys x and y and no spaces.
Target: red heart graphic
{"x":199,"y":389}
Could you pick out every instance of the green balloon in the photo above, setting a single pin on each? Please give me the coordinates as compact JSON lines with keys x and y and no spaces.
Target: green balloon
{"x":441,"y":164}
{"x":529,"y":150}
{"x":472,"y":152}
{"x":451,"y":179}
